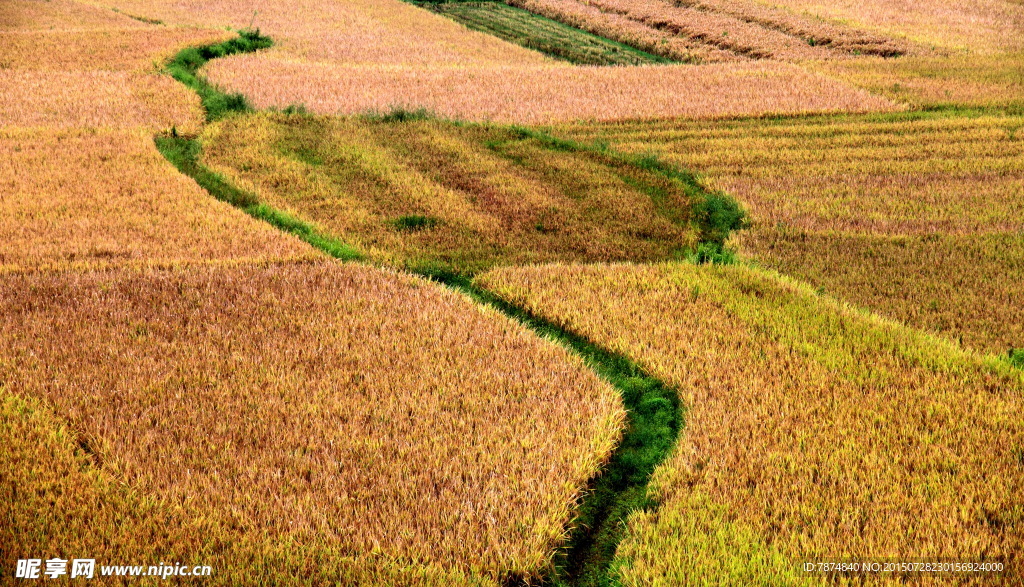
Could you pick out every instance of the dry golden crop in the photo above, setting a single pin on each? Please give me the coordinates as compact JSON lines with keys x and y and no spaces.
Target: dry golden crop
{"x":108,"y":99}
{"x":543,"y":94}
{"x":916,"y":217}
{"x":56,"y":500}
{"x":967,"y":287}
{"x":300,"y":411}
{"x":64,"y":76}
{"x":460,"y":197}
{"x":66,"y":15}
{"x":354,"y":31}
{"x":985,"y":26}
{"x":973,"y":80}
{"x":813,"y":430}
{"x":143,"y":50}
{"x":86,"y":197}
{"x":714,"y":30}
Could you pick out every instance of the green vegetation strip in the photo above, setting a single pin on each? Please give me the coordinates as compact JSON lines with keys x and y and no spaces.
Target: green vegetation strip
{"x":539,"y":33}
{"x":183,"y":152}
{"x":654,"y":413}
{"x":184,"y":67}
{"x":654,"y":419}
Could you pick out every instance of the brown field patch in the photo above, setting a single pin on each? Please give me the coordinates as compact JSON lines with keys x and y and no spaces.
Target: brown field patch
{"x":333,"y":408}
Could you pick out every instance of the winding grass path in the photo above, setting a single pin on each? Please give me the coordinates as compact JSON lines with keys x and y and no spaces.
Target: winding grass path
{"x":655,"y":416}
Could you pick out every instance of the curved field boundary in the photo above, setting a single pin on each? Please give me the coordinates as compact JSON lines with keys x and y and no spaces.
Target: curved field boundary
{"x":654,"y":413}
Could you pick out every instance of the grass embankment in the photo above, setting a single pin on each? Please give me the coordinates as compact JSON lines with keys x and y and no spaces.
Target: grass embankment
{"x":183,"y":151}
{"x":670,"y":197}
{"x":654,"y":418}
{"x":813,"y":430}
{"x":539,"y":33}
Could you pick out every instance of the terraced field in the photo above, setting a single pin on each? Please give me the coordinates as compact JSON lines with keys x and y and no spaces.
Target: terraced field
{"x":813,"y":431}
{"x":981,"y":26}
{"x":86,"y":198}
{"x":431,"y":195}
{"x":914,"y":216}
{"x":346,"y":58}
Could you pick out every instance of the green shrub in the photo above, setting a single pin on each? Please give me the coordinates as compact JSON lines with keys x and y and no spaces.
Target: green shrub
{"x":1016,"y":357}
{"x":415,"y":222}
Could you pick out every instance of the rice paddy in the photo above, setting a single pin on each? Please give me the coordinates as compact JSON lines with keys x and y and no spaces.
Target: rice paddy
{"x":87,"y":197}
{"x":317,"y":404}
{"x":301,"y":292}
{"x":813,"y":431}
{"x":924,"y":224}
{"x":540,"y":95}
{"x":708,"y":31}
{"x":430,"y":195}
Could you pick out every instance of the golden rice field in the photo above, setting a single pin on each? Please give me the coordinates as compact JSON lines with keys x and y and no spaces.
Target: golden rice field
{"x":707,"y":31}
{"x":132,"y":49}
{"x":65,"y":492}
{"x":980,"y":26}
{"x":369,"y":32}
{"x":64,"y":64}
{"x":87,"y":197}
{"x":972,"y":80}
{"x":433,"y":195}
{"x":355,"y":56}
{"x":812,"y":429}
{"x":543,"y":94}
{"x":180,"y":381}
{"x":293,"y":413}
{"x":65,"y":15}
{"x":915,"y":217}
{"x":97,"y":99}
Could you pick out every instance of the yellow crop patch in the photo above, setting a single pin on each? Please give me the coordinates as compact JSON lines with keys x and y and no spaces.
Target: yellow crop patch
{"x":434,"y":195}
{"x":86,"y":197}
{"x":133,"y":49}
{"x":543,"y":94}
{"x":813,"y":431}
{"x":707,"y":31}
{"x":354,"y":31}
{"x":915,"y":217}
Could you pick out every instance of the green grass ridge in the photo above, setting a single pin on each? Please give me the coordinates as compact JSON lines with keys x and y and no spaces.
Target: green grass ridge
{"x":654,"y":411}
{"x":183,"y":153}
{"x":654,"y":420}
